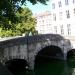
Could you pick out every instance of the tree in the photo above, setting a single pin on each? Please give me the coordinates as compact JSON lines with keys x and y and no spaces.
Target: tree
{"x":10,"y":17}
{"x":9,"y":7}
{"x":25,"y":23}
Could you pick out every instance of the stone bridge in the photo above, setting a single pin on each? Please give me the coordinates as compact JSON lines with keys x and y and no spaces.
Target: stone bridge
{"x":29,"y":47}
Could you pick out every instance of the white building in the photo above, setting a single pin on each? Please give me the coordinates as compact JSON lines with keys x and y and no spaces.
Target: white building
{"x":60,"y":19}
{"x":44,"y":23}
{"x":63,"y":17}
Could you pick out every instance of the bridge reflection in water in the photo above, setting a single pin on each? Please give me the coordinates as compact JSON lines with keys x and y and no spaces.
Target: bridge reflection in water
{"x":29,"y":47}
{"x":45,"y":63}
{"x":32,"y":48}
{"x":46,"y":66}
{"x":17,"y":65}
{"x":54,"y":67}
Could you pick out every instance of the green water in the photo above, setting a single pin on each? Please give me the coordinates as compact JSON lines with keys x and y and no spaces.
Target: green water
{"x":53,"y":67}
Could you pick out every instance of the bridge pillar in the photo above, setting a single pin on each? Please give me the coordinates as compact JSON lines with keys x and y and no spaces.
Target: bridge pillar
{"x":65,"y":54}
{"x":64,"y":50}
{"x":31,"y":62}
{"x":31,"y":65}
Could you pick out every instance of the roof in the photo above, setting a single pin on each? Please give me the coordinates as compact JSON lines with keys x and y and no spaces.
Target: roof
{"x":43,"y":14}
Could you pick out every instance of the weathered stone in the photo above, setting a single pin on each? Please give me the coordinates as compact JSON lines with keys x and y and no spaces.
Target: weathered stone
{"x":28,"y":47}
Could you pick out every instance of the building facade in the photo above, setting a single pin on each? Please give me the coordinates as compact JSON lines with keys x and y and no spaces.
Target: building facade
{"x":60,"y":19}
{"x":43,"y":25}
{"x":63,"y":17}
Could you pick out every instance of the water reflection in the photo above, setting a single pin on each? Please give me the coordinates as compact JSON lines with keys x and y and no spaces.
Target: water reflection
{"x":55,"y":67}
{"x":52,"y":67}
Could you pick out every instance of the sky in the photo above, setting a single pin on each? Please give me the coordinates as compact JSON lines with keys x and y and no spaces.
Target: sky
{"x":38,"y":8}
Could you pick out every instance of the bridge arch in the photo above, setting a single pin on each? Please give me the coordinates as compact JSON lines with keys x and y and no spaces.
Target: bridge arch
{"x":70,"y":53}
{"x":51,"y":51}
{"x":16,"y":65}
{"x":30,"y":47}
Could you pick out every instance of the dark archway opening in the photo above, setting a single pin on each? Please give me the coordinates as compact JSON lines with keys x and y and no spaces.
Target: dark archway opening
{"x":71,"y":53}
{"x":71,"y":58}
{"x":49,"y":53}
{"x":17,"y":65}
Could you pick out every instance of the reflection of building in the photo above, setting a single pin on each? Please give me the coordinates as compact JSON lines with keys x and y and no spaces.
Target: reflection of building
{"x":61,"y":19}
{"x":44,"y":23}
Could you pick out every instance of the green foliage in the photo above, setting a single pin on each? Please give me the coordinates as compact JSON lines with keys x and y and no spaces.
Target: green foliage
{"x":14,"y":20}
{"x":24,"y":25}
{"x":9,"y":7}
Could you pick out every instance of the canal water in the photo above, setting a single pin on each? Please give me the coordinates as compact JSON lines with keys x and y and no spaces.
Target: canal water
{"x":52,"y":67}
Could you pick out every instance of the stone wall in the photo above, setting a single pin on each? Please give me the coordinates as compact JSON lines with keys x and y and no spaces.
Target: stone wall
{"x":28,"y":47}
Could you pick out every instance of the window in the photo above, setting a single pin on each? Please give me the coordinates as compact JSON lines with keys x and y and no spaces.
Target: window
{"x":69,"y":29}
{"x":73,"y":1}
{"x":53,"y":5}
{"x":60,"y":15}
{"x":54,"y":17}
{"x":42,"y":21}
{"x":59,"y":3}
{"x":49,"y":24}
{"x":55,"y":29}
{"x":74,"y":11}
{"x":68,"y":14}
{"x":62,"y":29}
{"x":66,"y":2}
